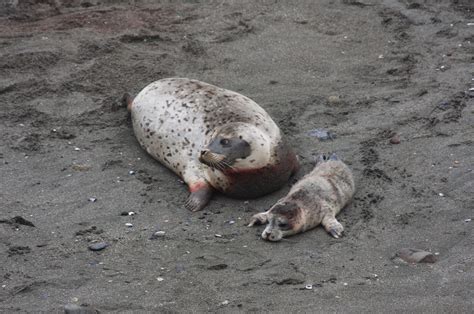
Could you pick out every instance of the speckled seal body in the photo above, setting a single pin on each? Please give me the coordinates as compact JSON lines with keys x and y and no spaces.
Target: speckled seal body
{"x":315,"y":199}
{"x":212,"y":138}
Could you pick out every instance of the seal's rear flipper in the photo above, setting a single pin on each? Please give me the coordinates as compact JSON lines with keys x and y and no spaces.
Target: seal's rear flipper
{"x":127,"y":100}
{"x":199,"y":197}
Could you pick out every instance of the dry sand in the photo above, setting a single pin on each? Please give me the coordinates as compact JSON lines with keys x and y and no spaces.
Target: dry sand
{"x":396,"y":67}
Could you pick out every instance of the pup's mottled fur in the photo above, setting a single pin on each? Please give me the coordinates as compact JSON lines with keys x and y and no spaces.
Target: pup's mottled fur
{"x":316,"y":199}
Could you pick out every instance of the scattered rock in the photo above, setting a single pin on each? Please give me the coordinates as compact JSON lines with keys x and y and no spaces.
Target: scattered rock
{"x":395,"y":139}
{"x":322,"y":134}
{"x":413,"y":256}
{"x":128,"y":224}
{"x":157,"y":235}
{"x":99,"y":246}
{"x":80,"y":168}
{"x":334,"y":100}
{"x":92,"y":199}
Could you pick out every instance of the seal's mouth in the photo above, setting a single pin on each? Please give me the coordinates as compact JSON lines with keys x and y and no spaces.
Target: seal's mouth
{"x":214,"y":160}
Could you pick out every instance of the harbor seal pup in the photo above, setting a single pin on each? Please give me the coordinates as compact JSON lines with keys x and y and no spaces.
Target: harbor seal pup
{"x":213,"y":138}
{"x":316,"y":199}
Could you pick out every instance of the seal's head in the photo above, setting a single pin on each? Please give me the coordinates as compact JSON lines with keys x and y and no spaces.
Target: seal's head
{"x":237,"y":146}
{"x":283,"y":220}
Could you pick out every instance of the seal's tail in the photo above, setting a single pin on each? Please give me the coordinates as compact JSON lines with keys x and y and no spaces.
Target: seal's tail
{"x":127,"y":100}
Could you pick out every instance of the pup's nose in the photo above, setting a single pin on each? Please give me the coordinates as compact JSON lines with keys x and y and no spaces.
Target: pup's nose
{"x":204,"y":152}
{"x":265,"y":235}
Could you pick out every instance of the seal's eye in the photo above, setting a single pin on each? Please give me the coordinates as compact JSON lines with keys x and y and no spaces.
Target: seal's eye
{"x":225,"y":142}
{"x":283,"y":225}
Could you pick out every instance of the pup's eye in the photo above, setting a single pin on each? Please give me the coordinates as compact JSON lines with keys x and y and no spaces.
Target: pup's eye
{"x":225,"y":142}
{"x":283,"y":225}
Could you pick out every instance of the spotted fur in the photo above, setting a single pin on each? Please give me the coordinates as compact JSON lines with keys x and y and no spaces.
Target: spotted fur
{"x":175,"y":119}
{"x":316,"y":199}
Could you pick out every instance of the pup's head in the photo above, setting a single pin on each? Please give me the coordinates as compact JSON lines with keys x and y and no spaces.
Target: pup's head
{"x":283,"y":220}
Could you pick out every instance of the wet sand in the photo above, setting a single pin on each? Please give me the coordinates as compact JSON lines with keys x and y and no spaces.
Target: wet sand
{"x":364,"y":70}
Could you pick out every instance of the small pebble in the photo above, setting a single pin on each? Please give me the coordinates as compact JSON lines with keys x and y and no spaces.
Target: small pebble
{"x":380,"y":56}
{"x":395,"y":139}
{"x":467,"y":220}
{"x":231,"y":222}
{"x":441,"y":194}
{"x":308,"y":287}
{"x":98,"y":246}
{"x":225,"y":302}
{"x":92,"y":199}
{"x":131,"y":172}
{"x":77,"y":149}
{"x":218,"y":235}
{"x":345,"y":283}
{"x":131,"y":213}
{"x":334,"y":100}
{"x":414,"y":256}
{"x":158,"y":234}
{"x":322,"y":134}
{"x":160,"y":279}
{"x":128,"y":224}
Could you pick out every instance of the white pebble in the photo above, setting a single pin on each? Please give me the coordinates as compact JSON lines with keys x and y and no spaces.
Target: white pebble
{"x":131,"y":213}
{"x":225,"y":302}
{"x":441,"y":194}
{"x":128,"y":224}
{"x":131,"y":172}
{"x":345,"y":284}
{"x":308,"y":287}
{"x":380,"y":56}
{"x":470,"y":24}
{"x":77,"y":149}
{"x":218,"y":235}
{"x":92,"y":199}
{"x":467,"y":220}
{"x":231,"y":222}
{"x":160,"y":279}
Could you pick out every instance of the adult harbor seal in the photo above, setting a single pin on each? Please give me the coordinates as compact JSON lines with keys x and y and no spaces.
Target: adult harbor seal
{"x":212,"y":138}
{"x":316,"y":199}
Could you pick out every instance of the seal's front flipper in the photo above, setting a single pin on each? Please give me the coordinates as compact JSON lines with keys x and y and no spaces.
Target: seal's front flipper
{"x":199,"y":197}
{"x":127,"y":100}
{"x":258,"y":219}
{"x":333,"y":227}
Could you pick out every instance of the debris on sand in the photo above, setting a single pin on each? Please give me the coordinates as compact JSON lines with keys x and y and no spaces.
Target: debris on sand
{"x":395,"y":139}
{"x":92,"y":199}
{"x":413,"y":256}
{"x":80,"y":167}
{"x":99,"y":246}
{"x":79,"y":309}
{"x":128,"y":224}
{"x":17,"y":221}
{"x":334,"y":100}
{"x":157,"y":235}
{"x":322,"y":134}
